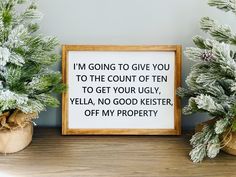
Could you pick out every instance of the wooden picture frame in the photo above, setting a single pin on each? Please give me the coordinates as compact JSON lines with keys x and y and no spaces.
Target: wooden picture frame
{"x":176,"y":130}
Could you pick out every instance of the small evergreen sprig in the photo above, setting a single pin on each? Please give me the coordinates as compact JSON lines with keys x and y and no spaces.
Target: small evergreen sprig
{"x":26,"y":83}
{"x":211,"y":84}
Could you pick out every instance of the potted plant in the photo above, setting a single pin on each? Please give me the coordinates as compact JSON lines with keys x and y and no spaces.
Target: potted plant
{"x":211,"y":86}
{"x":26,"y":82}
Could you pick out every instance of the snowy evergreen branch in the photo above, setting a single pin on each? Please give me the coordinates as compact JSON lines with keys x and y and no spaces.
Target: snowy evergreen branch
{"x":225,"y":5}
{"x":211,"y":84}
{"x":205,"y":143}
{"x":25,"y":82}
{"x":221,"y":33}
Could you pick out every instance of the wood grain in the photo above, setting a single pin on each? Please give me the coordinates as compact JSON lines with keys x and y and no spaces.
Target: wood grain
{"x":64,"y":94}
{"x":53,"y":155}
{"x":87,"y":131}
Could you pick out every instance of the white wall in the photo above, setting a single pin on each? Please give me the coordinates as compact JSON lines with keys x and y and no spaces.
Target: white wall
{"x":126,"y":22}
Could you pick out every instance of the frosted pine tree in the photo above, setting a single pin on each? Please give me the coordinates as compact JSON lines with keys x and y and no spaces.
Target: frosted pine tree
{"x":211,"y":84}
{"x":26,"y":84}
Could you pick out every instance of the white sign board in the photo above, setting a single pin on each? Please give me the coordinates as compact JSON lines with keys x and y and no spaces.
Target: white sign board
{"x":120,"y":91}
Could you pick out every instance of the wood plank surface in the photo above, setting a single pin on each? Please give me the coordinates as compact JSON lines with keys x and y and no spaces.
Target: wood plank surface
{"x":51,"y":154}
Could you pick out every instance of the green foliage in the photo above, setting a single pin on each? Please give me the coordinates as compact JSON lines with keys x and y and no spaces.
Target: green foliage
{"x":234,"y":126}
{"x":26,"y":83}
{"x":211,"y":84}
{"x":205,"y":143}
{"x":225,"y":5}
{"x":221,"y":33}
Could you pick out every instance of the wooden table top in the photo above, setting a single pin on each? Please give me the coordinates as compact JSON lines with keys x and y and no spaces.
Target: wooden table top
{"x":51,"y":154}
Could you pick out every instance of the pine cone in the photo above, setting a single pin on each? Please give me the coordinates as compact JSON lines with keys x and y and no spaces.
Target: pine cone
{"x":207,"y":56}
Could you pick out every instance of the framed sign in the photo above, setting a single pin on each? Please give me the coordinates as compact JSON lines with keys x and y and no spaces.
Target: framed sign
{"x":121,"y":90}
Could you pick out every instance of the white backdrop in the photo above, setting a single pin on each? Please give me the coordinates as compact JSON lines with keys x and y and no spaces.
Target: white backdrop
{"x":159,"y":116}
